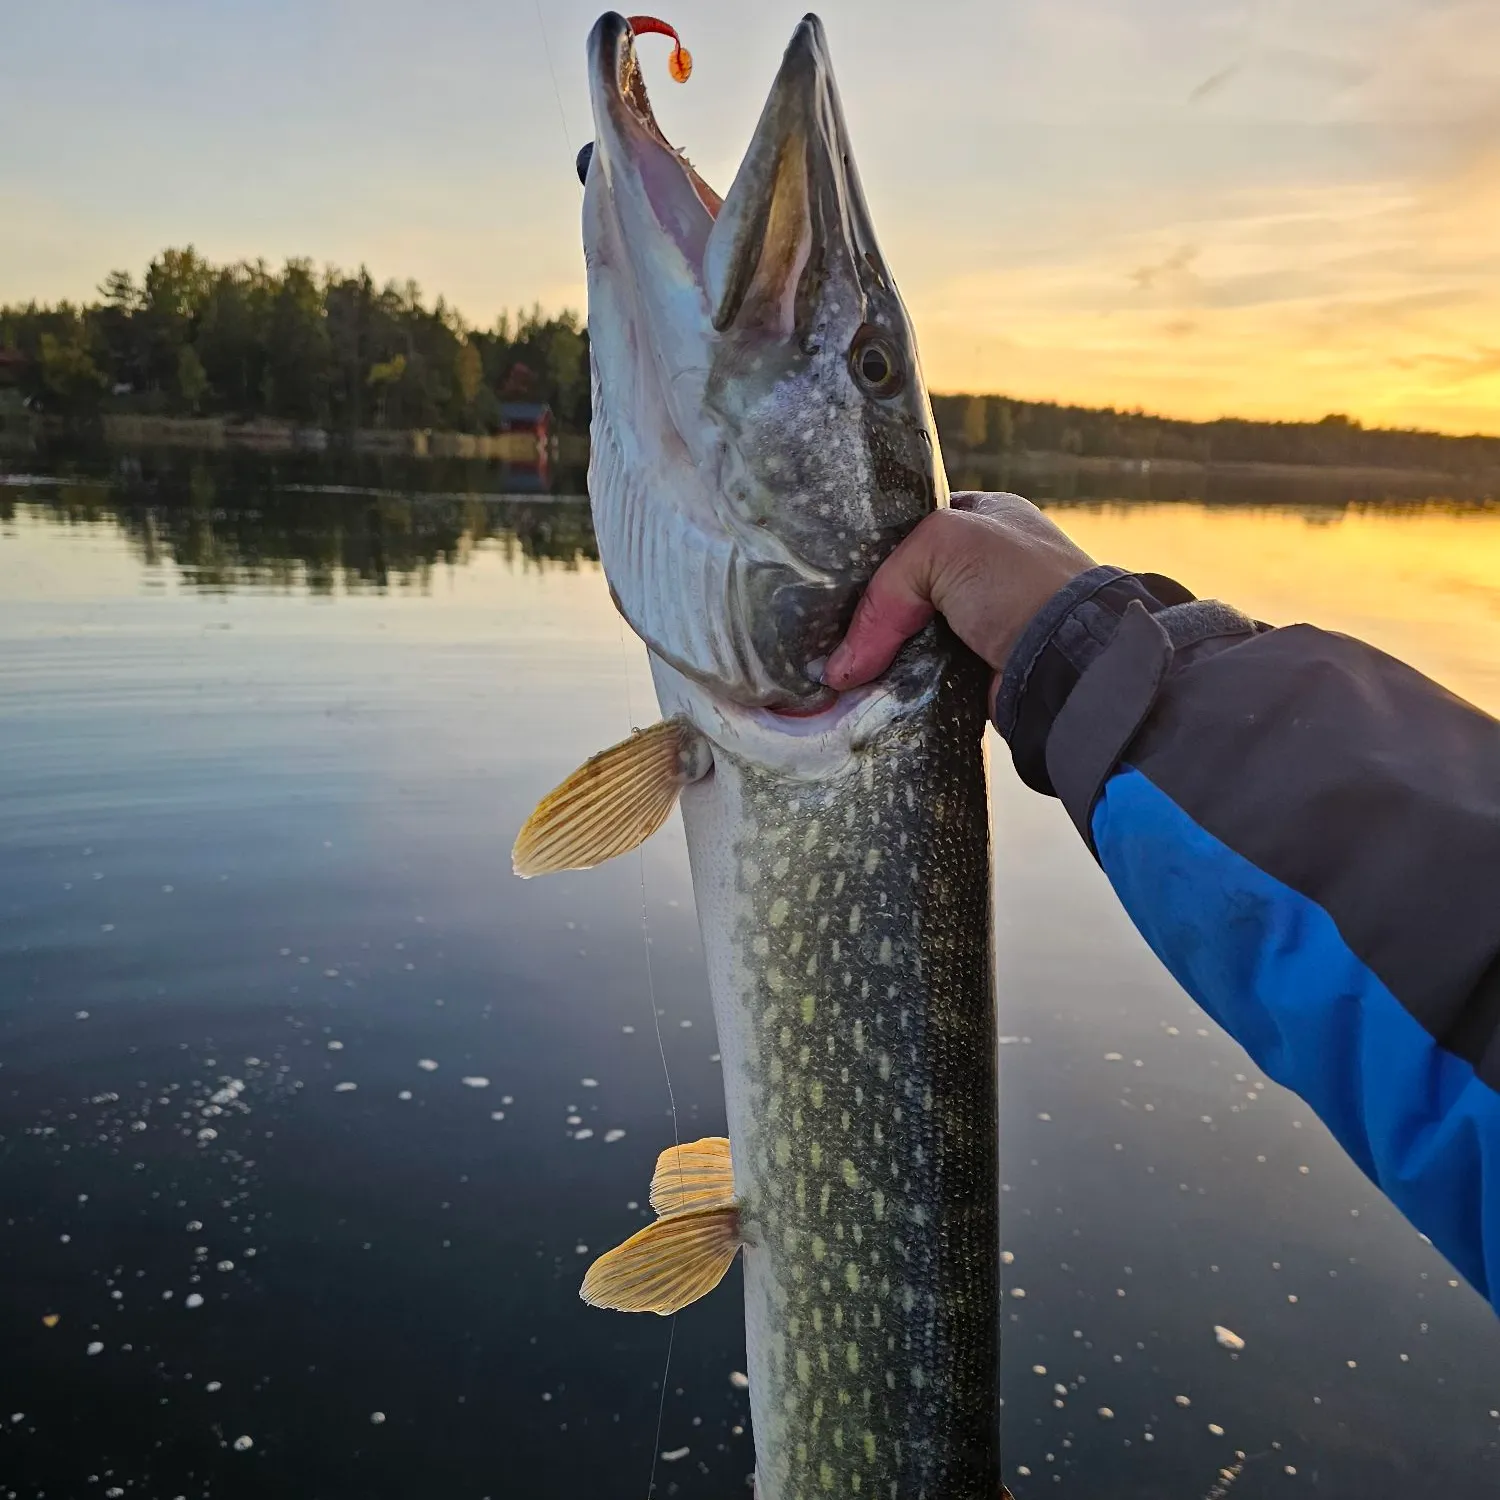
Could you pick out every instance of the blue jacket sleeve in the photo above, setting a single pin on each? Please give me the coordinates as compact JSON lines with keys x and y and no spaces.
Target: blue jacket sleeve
{"x":1307,"y":833}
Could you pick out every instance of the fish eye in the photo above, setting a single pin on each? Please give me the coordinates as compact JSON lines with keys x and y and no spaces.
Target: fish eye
{"x":875,"y":364}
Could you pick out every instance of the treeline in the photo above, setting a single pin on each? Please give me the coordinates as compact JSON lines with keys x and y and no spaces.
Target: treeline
{"x":999,"y":426}
{"x":323,"y":348}
{"x":333,"y":350}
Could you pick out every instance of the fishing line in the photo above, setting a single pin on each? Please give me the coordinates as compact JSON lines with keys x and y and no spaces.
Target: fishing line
{"x":629,"y":707}
{"x":562,"y":115}
{"x":640,"y":856}
{"x":666,"y":1072}
{"x":661,"y":1047}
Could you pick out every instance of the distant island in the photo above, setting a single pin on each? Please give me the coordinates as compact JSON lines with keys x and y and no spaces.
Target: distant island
{"x":196,"y":352}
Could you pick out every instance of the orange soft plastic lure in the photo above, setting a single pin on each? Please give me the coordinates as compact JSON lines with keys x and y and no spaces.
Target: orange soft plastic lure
{"x":681,"y":61}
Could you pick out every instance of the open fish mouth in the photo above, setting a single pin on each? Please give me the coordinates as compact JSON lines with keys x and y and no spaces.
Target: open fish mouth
{"x":797,"y":176}
{"x":762,"y":436}
{"x":619,"y":83}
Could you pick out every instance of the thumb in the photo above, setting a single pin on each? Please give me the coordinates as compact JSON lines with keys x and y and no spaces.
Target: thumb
{"x":896,"y":605}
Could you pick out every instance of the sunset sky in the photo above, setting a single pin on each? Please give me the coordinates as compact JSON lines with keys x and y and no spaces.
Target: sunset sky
{"x":1273,"y":209}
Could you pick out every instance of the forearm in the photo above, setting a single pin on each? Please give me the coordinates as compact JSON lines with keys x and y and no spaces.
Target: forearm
{"x":1307,"y":832}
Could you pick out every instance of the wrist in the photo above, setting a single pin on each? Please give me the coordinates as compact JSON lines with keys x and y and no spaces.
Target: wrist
{"x":1058,"y":644}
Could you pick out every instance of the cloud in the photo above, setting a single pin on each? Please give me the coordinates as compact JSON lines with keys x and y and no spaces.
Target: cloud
{"x":1176,"y":267}
{"x":1215,"y":81}
{"x":1449,"y":369}
{"x":1326,"y":73}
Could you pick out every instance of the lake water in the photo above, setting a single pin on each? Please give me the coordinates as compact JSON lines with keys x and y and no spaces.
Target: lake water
{"x":311,"y":1115}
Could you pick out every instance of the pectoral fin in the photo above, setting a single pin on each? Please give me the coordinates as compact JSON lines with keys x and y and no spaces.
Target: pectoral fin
{"x":612,"y":803}
{"x":698,"y":1175}
{"x":667,"y":1265}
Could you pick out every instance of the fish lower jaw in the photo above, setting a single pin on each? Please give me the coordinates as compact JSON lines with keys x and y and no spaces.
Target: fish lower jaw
{"x":802,"y":747}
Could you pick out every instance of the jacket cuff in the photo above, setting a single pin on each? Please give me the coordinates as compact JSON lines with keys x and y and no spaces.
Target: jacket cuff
{"x":1064,"y":638}
{"x":1103,"y":612}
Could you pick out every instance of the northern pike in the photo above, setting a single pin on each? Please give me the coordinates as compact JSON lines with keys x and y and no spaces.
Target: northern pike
{"x":762,"y":438}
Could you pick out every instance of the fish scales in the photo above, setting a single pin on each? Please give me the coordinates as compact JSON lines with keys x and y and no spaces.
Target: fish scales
{"x":847,"y":927}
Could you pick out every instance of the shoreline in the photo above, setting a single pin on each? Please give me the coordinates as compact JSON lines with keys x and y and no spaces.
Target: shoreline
{"x":1028,"y":461}
{"x":1061,"y":475}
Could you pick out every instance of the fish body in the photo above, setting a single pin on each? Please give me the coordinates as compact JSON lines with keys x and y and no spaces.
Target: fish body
{"x":762,"y":438}
{"x":844,"y":900}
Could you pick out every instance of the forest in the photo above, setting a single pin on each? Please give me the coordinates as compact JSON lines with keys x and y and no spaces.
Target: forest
{"x":334,"y":350}
{"x":325,"y":349}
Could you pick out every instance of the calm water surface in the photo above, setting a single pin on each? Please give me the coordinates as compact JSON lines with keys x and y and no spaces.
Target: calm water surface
{"x":311,"y":1115}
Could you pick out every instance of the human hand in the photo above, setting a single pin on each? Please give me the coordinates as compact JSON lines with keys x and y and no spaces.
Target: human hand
{"x":986,"y":564}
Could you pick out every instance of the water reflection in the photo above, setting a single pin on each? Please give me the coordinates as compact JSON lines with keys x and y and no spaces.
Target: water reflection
{"x":239,"y":521}
{"x":321,"y":538}
{"x":278,"y":1031}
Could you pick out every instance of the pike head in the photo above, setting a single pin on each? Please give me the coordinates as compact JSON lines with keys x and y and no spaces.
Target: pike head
{"x":761,"y":433}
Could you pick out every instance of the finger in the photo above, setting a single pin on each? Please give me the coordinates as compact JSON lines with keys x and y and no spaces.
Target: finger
{"x":895,"y":607}
{"x":887,"y":617}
